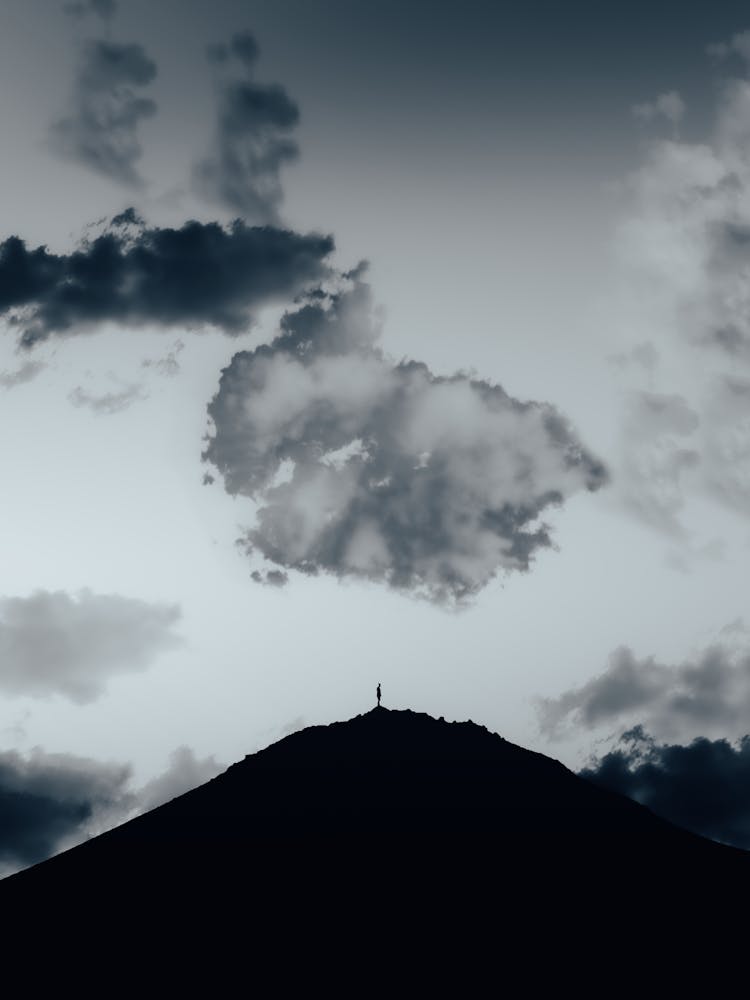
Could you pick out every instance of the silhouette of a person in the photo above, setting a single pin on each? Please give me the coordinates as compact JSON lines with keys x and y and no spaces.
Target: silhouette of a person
{"x":378,"y":694}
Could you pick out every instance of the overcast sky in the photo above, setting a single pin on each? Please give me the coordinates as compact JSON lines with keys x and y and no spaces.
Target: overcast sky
{"x":348,"y":342}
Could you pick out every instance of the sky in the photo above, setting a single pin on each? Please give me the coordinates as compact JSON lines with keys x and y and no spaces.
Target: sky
{"x":345,"y":343}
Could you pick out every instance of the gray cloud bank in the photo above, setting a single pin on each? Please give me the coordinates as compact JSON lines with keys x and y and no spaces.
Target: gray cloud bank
{"x":703,"y":787}
{"x":200,"y":274}
{"x":100,"y":130}
{"x":707,"y":694}
{"x":50,"y":802}
{"x":382,"y":471}
{"x":55,"y":643}
{"x":252,"y":141}
{"x":684,"y":244}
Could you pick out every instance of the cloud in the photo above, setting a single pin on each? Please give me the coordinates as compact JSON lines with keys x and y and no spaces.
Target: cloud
{"x":168,"y":366}
{"x":54,"y":643}
{"x":105,"y":9}
{"x":100,"y":130}
{"x":27,"y":371}
{"x":669,"y":106}
{"x":661,"y":455}
{"x":684,"y":249}
{"x":293,"y":726}
{"x":738,"y":44}
{"x":382,"y":471}
{"x":643,"y":355}
{"x":47,"y":800}
{"x":184,"y":772}
{"x":252,"y":141}
{"x":201,"y":274}
{"x":109,"y":402}
{"x":702,"y":787}
{"x":707,"y":694}
{"x":272,"y":577}
{"x":50,"y":802}
{"x":726,"y":442}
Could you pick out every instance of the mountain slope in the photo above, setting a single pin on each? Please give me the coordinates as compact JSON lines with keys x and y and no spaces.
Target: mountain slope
{"x":391,"y":820}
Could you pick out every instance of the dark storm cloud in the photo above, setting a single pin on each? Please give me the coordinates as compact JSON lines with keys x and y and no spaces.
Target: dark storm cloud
{"x":200,"y":274}
{"x":109,"y":402}
{"x":710,"y":693}
{"x":366,"y":468}
{"x":25,"y":373}
{"x":55,"y":643}
{"x":100,"y":130}
{"x":252,"y":141}
{"x":49,"y":802}
{"x":703,"y":787}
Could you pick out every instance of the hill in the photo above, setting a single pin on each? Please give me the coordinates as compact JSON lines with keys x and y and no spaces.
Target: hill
{"x":390,"y":826}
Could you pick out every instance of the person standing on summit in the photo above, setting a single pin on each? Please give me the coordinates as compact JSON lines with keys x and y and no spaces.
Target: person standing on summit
{"x":378,"y":694}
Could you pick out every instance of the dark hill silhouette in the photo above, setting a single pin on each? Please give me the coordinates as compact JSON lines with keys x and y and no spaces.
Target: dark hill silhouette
{"x":437,"y":837}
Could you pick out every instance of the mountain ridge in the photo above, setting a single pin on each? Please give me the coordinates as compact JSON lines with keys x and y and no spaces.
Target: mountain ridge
{"x":394,"y":823}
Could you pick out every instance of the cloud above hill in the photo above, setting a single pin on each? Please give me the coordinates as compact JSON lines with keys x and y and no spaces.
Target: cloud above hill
{"x":382,"y":471}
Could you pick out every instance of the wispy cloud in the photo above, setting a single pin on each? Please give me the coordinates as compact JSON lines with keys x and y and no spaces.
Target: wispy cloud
{"x":105,"y":9}
{"x":25,"y":373}
{"x":252,"y":141}
{"x":100,"y":128}
{"x":107,"y":403}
